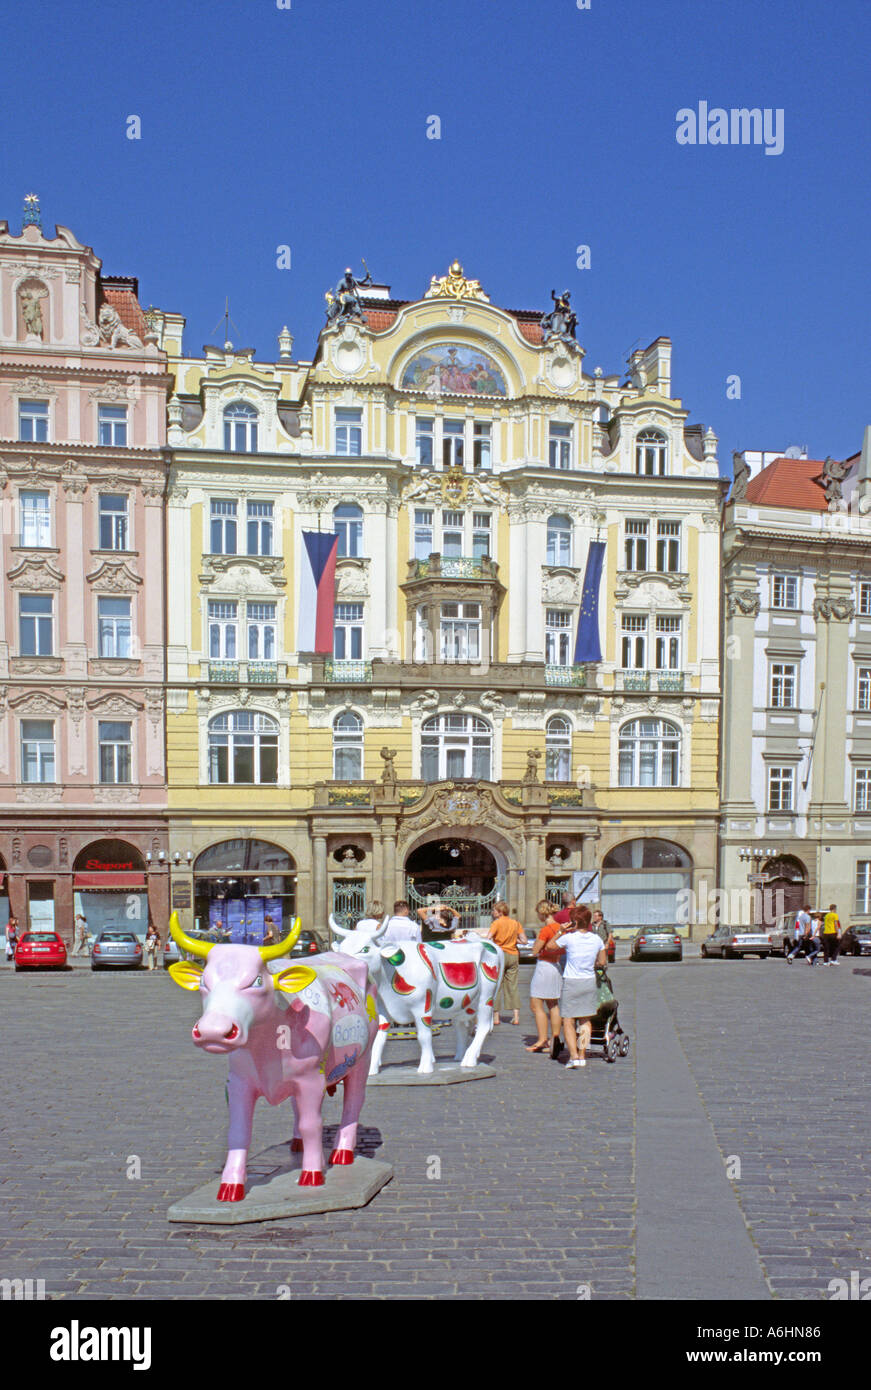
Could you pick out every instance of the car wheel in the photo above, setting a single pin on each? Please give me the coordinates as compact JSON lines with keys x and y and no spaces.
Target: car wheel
{"x":704,"y":953}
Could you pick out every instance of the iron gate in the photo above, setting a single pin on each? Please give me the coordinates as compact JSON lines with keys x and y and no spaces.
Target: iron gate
{"x":349,"y":900}
{"x":474,"y":908}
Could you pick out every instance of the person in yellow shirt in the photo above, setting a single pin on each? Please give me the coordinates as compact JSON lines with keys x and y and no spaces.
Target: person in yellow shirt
{"x":831,"y":936}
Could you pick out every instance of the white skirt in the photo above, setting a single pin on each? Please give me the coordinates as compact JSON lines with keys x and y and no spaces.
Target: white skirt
{"x":546,"y":982}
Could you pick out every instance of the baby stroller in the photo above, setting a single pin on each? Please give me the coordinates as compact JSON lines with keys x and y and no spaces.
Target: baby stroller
{"x":607,"y":1032}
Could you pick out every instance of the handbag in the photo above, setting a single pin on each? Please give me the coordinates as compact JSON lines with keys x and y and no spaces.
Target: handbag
{"x":605,"y":999}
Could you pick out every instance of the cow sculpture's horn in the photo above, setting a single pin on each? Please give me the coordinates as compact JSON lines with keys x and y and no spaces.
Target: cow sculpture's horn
{"x":188,"y":943}
{"x":334,"y":926}
{"x":281,"y":948}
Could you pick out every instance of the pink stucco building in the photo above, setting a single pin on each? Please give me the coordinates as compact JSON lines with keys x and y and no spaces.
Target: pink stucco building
{"x":83,"y":390}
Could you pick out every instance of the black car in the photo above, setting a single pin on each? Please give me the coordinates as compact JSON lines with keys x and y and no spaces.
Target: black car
{"x":856,"y":940}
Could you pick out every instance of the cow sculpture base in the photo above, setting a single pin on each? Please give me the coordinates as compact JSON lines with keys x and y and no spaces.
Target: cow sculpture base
{"x":274,"y":1192}
{"x":445,"y":1074}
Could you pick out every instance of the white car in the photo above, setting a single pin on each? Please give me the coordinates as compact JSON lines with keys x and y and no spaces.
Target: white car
{"x":729,"y":942}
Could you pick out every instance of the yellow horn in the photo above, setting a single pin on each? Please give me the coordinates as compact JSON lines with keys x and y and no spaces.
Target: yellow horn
{"x":188,"y":943}
{"x":281,"y":948}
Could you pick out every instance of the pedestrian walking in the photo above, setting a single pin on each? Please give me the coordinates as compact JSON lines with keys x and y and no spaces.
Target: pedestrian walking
{"x":579,"y":997}
{"x":546,"y":984}
{"x":831,"y":936}
{"x":812,"y":945}
{"x":507,"y":932}
{"x":601,"y":928}
{"x":564,"y":916}
{"x":80,"y":944}
{"x":12,"y":934}
{"x":152,"y":941}
{"x":799,"y":932}
{"x":269,"y":934}
{"x":401,"y":926}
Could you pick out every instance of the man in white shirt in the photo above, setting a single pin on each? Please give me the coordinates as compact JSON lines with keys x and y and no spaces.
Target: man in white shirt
{"x":401,"y":926}
{"x":802,"y":922}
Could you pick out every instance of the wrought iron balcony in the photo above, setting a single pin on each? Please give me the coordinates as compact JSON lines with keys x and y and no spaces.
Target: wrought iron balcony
{"x":223,"y":672}
{"x":457,"y":567}
{"x":670,"y":680}
{"x":565,"y":675}
{"x":262,"y":672}
{"x":347,"y":672}
{"x":636,"y":680}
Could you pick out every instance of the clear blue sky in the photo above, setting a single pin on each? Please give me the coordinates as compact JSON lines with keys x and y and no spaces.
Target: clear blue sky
{"x":307,"y":127}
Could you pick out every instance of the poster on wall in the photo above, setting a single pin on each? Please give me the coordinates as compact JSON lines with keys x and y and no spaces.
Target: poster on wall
{"x":585,"y":886}
{"x":235,"y":920}
{"x":272,"y":909}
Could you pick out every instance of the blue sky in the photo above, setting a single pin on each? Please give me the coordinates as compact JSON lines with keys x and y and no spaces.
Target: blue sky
{"x":307,"y":127}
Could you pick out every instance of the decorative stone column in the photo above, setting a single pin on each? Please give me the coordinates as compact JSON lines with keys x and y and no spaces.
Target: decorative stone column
{"x":320,"y":906}
{"x":742,"y":607}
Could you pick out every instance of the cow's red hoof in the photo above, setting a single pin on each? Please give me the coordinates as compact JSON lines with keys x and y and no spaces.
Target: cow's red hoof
{"x":311,"y":1177}
{"x":331,"y":1090}
{"x":296,"y":1146}
{"x":231,"y":1192}
{"x":341,"y":1158}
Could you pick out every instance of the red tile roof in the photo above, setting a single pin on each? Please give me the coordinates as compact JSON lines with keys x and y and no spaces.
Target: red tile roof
{"x":128,"y":308}
{"x":379,"y":319}
{"x":532,"y":332}
{"x":789,"y":483}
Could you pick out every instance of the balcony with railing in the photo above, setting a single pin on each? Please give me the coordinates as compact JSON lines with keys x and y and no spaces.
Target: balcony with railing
{"x":224,"y":672}
{"x":635,"y":680}
{"x":350,"y":672}
{"x":670,"y":680}
{"x":565,"y":675}
{"x":650,"y":680}
{"x":245,"y":672}
{"x":453,"y":567}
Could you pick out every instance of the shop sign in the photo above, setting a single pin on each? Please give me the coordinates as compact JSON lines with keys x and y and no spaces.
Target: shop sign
{"x":181,"y":894}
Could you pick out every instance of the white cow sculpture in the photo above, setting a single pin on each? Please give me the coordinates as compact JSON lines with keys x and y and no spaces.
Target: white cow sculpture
{"x":415,"y":982}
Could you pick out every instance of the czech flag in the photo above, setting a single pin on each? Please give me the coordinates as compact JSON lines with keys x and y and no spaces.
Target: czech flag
{"x":317,"y":592}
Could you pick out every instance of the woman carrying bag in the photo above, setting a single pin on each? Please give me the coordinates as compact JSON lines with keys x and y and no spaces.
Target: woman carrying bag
{"x":579,"y":999}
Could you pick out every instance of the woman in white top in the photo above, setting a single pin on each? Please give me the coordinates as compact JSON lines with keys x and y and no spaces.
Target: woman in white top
{"x":584,"y":951}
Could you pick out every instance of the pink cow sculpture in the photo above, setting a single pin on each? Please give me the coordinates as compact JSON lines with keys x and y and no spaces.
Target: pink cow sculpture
{"x":296,"y":1033}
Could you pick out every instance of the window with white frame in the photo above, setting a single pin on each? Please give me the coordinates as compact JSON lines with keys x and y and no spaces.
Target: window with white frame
{"x":348,"y":632}
{"x":113,"y":521}
{"x":783,"y":685}
{"x":862,"y":789}
{"x":635,"y":544}
{"x":423,"y":640}
{"x":634,"y":645}
{"x":865,"y":598}
{"x":260,"y":527}
{"x":35,"y":519}
{"x":560,"y":446}
{"x":460,"y":632}
{"x":112,"y":425}
{"x":558,"y":750}
{"x":35,"y":624}
{"x":455,"y":746}
{"x":33,"y":422}
{"x":863,"y":886}
{"x":781,"y":788}
{"x":651,"y":453}
{"x":453,"y":443}
{"x":668,"y":547}
{"x":481,"y":446}
{"x":863,"y":688}
{"x":347,"y":747}
{"x":423,"y":534}
{"x":115,"y":751}
{"x":649,"y":754}
{"x":260,"y":622}
{"x":37,"y":750}
{"x":784,"y":591}
{"x":482,"y":541}
{"x":114,"y":627}
{"x":223,"y":526}
{"x":424,"y":441}
{"x":668,"y":635}
{"x":453,"y":526}
{"x":349,"y":432}
{"x":223,"y":622}
{"x":558,"y":637}
{"x":243,"y":748}
{"x":348,"y":526}
{"x":240,"y":429}
{"x":559,"y":540}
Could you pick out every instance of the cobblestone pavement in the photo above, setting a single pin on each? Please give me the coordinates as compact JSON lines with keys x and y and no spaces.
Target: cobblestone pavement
{"x":536,"y":1196}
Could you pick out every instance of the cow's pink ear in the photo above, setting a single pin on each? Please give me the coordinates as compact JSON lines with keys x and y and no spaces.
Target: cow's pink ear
{"x":186,"y":974}
{"x":294,"y":978}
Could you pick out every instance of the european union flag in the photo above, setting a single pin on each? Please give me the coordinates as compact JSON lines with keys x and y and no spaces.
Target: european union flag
{"x":587,"y":647}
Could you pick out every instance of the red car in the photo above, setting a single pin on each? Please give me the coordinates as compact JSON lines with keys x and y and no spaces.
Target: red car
{"x":37,"y":948}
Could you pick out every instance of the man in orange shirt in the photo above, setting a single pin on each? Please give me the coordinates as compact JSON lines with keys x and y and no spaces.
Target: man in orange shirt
{"x":506,"y":932}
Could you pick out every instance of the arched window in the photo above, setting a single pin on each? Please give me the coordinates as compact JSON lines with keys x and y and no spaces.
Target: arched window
{"x":240,"y":428}
{"x":348,"y":747}
{"x":559,"y":540}
{"x":649,"y":754}
{"x":455,"y":746}
{"x":651,"y":454}
{"x":243,"y":747}
{"x":558,"y":750}
{"x":348,"y":525}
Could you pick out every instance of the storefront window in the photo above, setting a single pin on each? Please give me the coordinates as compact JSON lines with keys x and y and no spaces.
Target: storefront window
{"x":242,"y":888}
{"x":109,"y":887}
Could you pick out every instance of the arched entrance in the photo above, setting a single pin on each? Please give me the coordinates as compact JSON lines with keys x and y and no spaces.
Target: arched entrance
{"x":109,"y":887}
{"x":785,"y":888}
{"x":640,"y":883}
{"x":239,"y":884}
{"x":459,"y":871}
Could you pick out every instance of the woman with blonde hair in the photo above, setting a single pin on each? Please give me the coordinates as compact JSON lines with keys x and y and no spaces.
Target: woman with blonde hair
{"x":546,"y":984}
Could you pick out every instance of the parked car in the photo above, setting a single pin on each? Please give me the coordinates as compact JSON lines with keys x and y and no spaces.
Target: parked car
{"x":729,"y":942}
{"x":116,"y":949}
{"x":306,"y":945}
{"x":656,"y":943}
{"x":856,"y":940}
{"x":783,"y":934}
{"x":40,"y":950}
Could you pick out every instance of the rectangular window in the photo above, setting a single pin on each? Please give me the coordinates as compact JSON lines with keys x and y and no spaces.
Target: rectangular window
{"x":781,"y":781}
{"x":634,"y":649}
{"x":113,"y":521}
{"x":862,"y":789}
{"x":558,"y":637}
{"x":423,"y":441}
{"x":461,"y":632}
{"x":33,"y":422}
{"x":260,"y":528}
{"x":349,"y":432}
{"x":35,"y":625}
{"x":863,"y":886}
{"x":784,"y":591}
{"x":37,"y":750}
{"x":481,"y":541}
{"x":261,"y":631}
{"x":223,"y":534}
{"x":348,"y":632}
{"x":482,"y":457}
{"x":668,"y":547}
{"x":348,"y":525}
{"x":423,"y":642}
{"x":113,"y":626}
{"x":863,"y":688}
{"x":452,"y":443}
{"x":668,"y":644}
{"x":222,"y":630}
{"x":423,"y":543}
{"x":560,"y":446}
{"x":452,"y":535}
{"x":35,"y":519}
{"x":115,"y":749}
{"x":783,"y":685}
{"x":636,"y":545}
{"x":865,"y":598}
{"x":112,"y":425}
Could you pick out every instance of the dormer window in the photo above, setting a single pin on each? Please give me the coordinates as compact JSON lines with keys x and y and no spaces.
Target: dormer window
{"x":349,"y":432}
{"x":240,"y":428}
{"x":651,"y":454}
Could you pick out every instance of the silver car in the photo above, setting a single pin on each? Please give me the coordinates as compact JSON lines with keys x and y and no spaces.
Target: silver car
{"x":116,"y":949}
{"x":730,"y":942}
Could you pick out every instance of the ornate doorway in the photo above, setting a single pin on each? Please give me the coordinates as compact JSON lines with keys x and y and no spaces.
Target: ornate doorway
{"x":460,"y":872}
